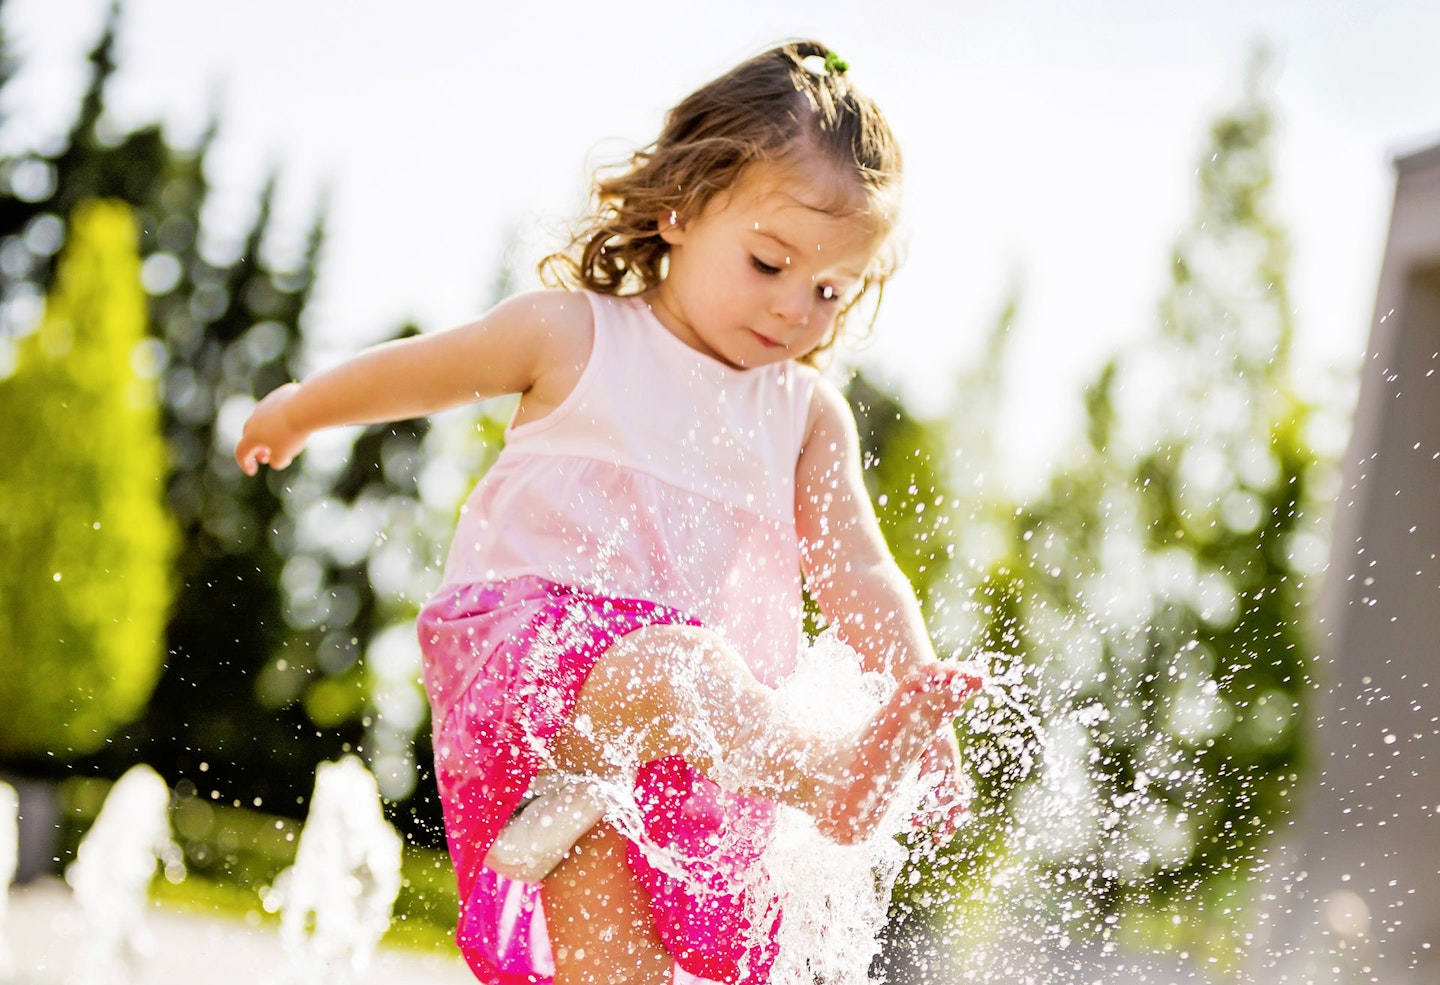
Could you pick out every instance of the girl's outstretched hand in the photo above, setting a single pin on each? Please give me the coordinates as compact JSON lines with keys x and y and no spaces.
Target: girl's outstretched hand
{"x":268,"y":437}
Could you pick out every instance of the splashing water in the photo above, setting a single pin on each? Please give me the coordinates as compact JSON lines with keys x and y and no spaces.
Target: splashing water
{"x":1008,"y":690}
{"x":9,"y":862}
{"x":112,"y":871}
{"x":335,"y":902}
{"x":834,"y":898}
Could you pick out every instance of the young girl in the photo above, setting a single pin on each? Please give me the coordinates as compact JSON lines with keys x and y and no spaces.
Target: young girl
{"x":624,"y":587}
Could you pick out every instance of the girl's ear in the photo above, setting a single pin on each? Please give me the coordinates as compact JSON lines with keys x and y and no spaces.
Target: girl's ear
{"x":672,"y":230}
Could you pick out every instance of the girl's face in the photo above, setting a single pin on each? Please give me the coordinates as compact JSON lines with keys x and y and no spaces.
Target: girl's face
{"x":761,"y":273}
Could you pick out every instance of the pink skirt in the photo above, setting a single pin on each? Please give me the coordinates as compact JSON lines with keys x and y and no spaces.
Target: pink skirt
{"x":503,"y":665}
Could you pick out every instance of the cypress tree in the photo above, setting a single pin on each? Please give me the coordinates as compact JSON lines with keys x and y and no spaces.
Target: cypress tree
{"x":84,"y":531}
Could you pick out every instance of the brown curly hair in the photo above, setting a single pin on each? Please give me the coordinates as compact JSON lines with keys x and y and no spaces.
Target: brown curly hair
{"x":769,"y":108}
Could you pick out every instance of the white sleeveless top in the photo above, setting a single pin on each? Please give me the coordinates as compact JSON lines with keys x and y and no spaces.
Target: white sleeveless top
{"x":665,"y":475}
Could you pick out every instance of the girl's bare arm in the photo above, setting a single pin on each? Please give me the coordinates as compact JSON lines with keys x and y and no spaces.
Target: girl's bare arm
{"x":849,"y":569}
{"x":533,"y":344}
{"x":861,"y":590}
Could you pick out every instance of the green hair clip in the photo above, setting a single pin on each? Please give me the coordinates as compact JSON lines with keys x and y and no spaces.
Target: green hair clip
{"x":834,"y":64}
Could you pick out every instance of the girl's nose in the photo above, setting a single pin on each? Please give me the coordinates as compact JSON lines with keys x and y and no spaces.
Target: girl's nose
{"x":791,"y":304}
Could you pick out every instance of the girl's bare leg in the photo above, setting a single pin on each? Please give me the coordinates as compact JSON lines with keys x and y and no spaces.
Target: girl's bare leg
{"x":680,"y":690}
{"x":598,"y":917}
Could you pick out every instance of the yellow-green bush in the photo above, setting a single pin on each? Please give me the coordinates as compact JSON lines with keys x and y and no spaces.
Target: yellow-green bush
{"x":86,"y":540}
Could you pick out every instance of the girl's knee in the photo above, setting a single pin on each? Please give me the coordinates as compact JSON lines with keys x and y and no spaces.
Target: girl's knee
{"x":656,"y":670}
{"x":660,"y":691}
{"x":659,"y":651}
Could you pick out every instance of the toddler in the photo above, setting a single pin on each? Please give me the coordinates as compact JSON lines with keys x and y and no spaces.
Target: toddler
{"x":625,"y":585}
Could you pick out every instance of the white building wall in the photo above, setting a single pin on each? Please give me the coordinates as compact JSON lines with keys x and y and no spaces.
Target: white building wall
{"x":1359,"y":897}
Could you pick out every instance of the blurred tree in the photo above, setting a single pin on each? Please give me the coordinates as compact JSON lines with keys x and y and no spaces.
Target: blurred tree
{"x":428,"y":468}
{"x":256,"y":689}
{"x":226,"y":320}
{"x":1149,"y":608}
{"x":1165,"y":576}
{"x":39,"y":189}
{"x":359,"y":553}
{"x":984,"y":604}
{"x":84,"y":530}
{"x":232,"y":330}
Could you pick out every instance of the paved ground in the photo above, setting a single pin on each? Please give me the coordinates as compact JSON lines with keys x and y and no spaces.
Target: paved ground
{"x":44,"y":932}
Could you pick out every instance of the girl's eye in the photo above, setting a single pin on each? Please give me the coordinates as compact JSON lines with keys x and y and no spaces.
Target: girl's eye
{"x":827,"y":293}
{"x":762,"y":266}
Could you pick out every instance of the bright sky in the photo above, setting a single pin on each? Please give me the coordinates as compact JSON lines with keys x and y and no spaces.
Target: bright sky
{"x":1049,"y":144}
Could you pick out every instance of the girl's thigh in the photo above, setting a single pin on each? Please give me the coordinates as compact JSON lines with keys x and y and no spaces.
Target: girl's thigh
{"x":599,"y":920}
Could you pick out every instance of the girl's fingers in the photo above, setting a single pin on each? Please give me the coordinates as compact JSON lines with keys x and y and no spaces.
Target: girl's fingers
{"x":251,"y":460}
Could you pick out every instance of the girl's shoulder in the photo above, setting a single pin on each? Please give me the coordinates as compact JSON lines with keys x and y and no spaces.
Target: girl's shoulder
{"x":554,"y":326}
{"x":555,"y":310}
{"x":830,"y":433}
{"x":829,"y":410}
